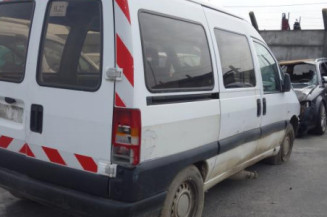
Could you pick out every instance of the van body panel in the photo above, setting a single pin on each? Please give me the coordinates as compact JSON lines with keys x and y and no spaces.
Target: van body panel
{"x":200,"y":117}
{"x":202,"y":121}
{"x":228,"y":163}
{"x":68,"y":115}
{"x":284,"y":102}
{"x":249,"y":133}
{"x":58,"y":138}
{"x":14,"y":97}
{"x":239,"y":112}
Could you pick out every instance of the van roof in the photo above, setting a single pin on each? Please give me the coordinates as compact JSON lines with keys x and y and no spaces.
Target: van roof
{"x":309,"y":61}
{"x":212,"y":6}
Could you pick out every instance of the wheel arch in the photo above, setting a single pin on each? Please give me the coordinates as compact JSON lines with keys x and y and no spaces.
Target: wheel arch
{"x":320,"y":99}
{"x":203,"y":168}
{"x":294,"y":121}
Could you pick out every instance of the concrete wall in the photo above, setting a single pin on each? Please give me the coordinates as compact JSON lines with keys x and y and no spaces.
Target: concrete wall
{"x":290,"y":45}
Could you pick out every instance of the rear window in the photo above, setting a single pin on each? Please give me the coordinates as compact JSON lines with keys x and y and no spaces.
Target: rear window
{"x":236,"y":60}
{"x":301,"y":73}
{"x":15,"y":25}
{"x":71,"y":51}
{"x":176,"y":55}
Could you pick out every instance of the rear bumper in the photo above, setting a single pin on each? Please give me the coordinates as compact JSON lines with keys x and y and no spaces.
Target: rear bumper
{"x":79,"y":202}
{"x":138,"y":191}
{"x":70,"y":189}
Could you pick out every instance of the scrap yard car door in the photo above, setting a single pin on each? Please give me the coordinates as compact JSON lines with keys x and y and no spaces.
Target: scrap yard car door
{"x":71,"y":102}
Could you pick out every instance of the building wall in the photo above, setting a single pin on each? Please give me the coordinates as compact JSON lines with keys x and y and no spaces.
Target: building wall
{"x":290,"y":45}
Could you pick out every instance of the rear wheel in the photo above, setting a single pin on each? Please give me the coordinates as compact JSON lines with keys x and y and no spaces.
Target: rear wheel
{"x":185,"y":196}
{"x":285,"y":150}
{"x":322,"y":120}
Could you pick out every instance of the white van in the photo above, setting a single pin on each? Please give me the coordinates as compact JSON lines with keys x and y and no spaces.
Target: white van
{"x":135,"y":107}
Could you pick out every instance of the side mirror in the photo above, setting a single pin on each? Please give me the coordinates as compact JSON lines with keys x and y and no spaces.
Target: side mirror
{"x":287,"y":85}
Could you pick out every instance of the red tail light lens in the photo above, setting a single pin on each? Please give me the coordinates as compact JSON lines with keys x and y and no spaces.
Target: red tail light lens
{"x":126,"y":136}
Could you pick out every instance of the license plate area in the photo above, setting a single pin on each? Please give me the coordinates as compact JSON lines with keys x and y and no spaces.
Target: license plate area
{"x":11,"y":113}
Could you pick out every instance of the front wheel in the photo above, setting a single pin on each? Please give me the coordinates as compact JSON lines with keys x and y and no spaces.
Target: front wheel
{"x":322,"y":120}
{"x":286,"y":147}
{"x":185,"y":197}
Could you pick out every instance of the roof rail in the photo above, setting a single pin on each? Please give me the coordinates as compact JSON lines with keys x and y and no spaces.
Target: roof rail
{"x":321,"y":59}
{"x":214,"y":7}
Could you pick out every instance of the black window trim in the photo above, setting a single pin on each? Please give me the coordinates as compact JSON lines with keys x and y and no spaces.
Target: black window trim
{"x":28,"y":39}
{"x":175,"y":99}
{"x":41,"y":46}
{"x":175,"y":90}
{"x":251,"y":53}
{"x":280,"y":72}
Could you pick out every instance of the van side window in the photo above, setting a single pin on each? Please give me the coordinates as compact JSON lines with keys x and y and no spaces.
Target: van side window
{"x":176,"y":54}
{"x":15,"y":24}
{"x":71,"y":51}
{"x":269,"y":69}
{"x":236,"y":60}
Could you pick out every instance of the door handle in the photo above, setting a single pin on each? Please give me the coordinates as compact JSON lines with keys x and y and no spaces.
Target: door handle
{"x":258,"y":107}
{"x":264,"y":101}
{"x":36,"y":122}
{"x":10,"y":100}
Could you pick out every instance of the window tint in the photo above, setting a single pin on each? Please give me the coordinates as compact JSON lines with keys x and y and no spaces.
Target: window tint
{"x":269,"y":69}
{"x":176,"y":54}
{"x":15,"y":24}
{"x":72,"y":45}
{"x":236,"y":60}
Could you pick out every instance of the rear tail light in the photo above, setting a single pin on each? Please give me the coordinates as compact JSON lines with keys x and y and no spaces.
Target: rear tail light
{"x":126,"y":136}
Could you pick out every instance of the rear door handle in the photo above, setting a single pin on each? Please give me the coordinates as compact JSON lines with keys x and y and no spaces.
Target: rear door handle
{"x":264,"y":101}
{"x":36,"y":122}
{"x":258,"y":107}
{"x":10,"y":100}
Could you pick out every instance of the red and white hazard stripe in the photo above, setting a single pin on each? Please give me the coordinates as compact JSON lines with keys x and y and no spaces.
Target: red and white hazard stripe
{"x":47,"y":154}
{"x":123,"y":98}
{"x":124,"y":48}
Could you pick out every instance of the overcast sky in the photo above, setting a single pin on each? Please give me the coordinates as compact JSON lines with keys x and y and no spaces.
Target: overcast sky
{"x":269,"y":13}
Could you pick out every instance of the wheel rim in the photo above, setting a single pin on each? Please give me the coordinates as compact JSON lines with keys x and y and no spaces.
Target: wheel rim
{"x":323,"y":120}
{"x":184,"y":200}
{"x":286,"y":149}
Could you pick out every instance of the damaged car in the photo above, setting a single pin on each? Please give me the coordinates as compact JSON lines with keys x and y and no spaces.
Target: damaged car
{"x":309,"y":80}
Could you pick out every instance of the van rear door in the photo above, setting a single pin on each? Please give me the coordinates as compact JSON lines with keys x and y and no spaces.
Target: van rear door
{"x":15,"y":25}
{"x":70,"y":103}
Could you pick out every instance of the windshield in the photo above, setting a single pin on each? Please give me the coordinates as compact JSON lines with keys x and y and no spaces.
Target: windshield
{"x":302,"y":74}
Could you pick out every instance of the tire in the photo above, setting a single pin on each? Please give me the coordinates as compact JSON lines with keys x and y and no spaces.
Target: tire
{"x":185,"y":197}
{"x":286,"y":147}
{"x":322,"y":120}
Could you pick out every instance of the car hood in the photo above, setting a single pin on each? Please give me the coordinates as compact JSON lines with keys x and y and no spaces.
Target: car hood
{"x":303,"y":92}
